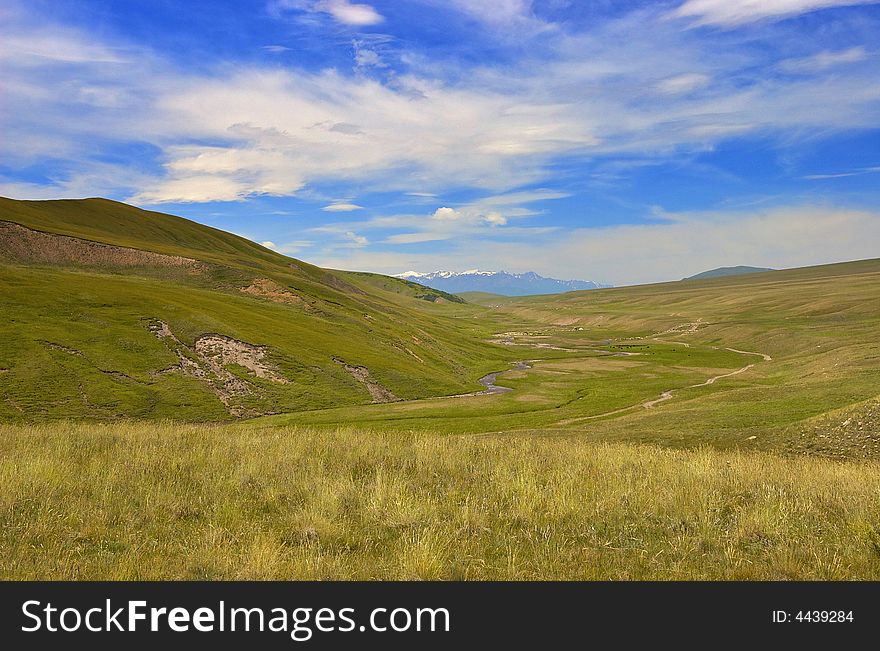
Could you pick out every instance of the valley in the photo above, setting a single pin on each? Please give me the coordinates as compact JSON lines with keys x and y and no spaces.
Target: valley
{"x":179,"y":402}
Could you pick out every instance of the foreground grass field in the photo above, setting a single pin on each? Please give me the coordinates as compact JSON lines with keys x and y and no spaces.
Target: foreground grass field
{"x":150,"y":501}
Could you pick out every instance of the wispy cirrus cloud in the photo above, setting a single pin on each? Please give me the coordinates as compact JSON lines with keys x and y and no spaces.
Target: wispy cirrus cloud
{"x":55,"y":44}
{"x":731,"y":13}
{"x":342,"y":11}
{"x":355,"y":240}
{"x":839,"y":175}
{"x":467,"y":222}
{"x":683,"y":83}
{"x":824,"y":60}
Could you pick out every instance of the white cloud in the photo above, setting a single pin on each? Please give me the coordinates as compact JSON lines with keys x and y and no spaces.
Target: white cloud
{"x":342,"y":207}
{"x":283,"y":130}
{"x":682,"y":83}
{"x":352,"y":14}
{"x":356,"y":240}
{"x":730,"y":13}
{"x":269,"y":244}
{"x":523,"y":197}
{"x":31,"y":191}
{"x":491,"y":214}
{"x":276,"y":131}
{"x":418,"y":238}
{"x":496,"y":219}
{"x":196,"y":188}
{"x":692,"y":242}
{"x":840,"y":175}
{"x":366,"y":57}
{"x":475,"y":213}
{"x":342,"y":11}
{"x":498,"y":11}
{"x":366,"y":54}
{"x":503,"y":18}
{"x":291,"y":248}
{"x":446,"y":214}
{"x":824,"y":60}
{"x":56,"y":45}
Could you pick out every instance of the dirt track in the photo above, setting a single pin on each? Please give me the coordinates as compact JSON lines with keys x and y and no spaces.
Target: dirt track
{"x":685,"y":328}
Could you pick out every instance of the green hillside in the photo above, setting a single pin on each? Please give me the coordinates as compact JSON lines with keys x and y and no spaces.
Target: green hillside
{"x":485,"y":298}
{"x":115,"y":223}
{"x":399,"y":286}
{"x":84,"y":335}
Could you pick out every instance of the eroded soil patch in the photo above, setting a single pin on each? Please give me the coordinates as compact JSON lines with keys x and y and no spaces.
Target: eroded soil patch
{"x":272,"y":291}
{"x":207,"y":360}
{"x":21,"y":244}
{"x":362,"y":374}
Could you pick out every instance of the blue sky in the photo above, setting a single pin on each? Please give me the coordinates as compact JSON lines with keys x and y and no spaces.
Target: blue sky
{"x":616,"y":141}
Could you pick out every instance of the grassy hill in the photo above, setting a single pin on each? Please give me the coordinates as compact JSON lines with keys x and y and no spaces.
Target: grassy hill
{"x":727,"y":271}
{"x":484,"y":298}
{"x":83,"y":338}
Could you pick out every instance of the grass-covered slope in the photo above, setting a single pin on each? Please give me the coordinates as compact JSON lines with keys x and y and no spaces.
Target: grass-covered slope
{"x":485,"y":298}
{"x":112,"y":222}
{"x":818,"y":325}
{"x":205,"y":326}
{"x":400,"y":286}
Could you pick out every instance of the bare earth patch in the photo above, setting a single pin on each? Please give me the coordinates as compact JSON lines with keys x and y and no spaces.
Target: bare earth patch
{"x":223,"y":350}
{"x":362,"y":374}
{"x":272,"y":291}
{"x":207,"y":359}
{"x":21,"y":244}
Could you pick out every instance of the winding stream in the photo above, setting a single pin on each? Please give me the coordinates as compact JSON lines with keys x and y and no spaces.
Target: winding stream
{"x":488,"y":380}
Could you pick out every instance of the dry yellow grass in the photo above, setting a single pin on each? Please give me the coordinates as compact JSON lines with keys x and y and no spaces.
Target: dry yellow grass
{"x":151,"y":501}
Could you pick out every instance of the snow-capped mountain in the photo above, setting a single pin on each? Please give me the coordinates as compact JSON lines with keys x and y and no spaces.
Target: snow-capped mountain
{"x":496,"y":282}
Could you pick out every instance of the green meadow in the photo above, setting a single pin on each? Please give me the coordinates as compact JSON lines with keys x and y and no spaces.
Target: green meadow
{"x":178,"y":402}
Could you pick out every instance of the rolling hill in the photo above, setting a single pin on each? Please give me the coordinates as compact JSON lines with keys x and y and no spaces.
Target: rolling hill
{"x":120,"y":312}
{"x":720,"y":272}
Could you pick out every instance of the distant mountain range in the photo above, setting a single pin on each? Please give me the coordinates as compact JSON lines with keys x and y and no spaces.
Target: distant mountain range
{"x":727,"y":271}
{"x":497,"y":282}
